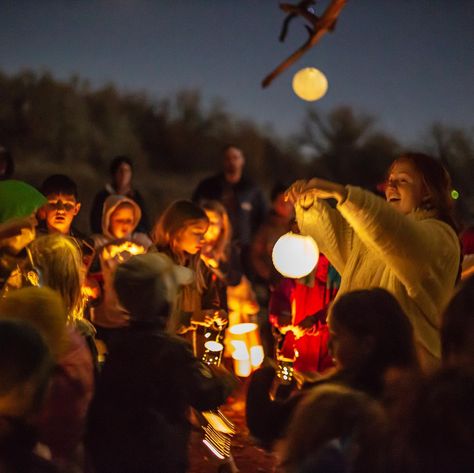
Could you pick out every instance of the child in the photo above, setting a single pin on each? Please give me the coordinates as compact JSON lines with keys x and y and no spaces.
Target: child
{"x":25,"y":369}
{"x":138,"y":418}
{"x":370,"y":338}
{"x":298,"y":309}
{"x":179,"y":233}
{"x":119,"y":220}
{"x":61,"y":420}
{"x":335,"y":429}
{"x":62,"y":207}
{"x":120,"y":217}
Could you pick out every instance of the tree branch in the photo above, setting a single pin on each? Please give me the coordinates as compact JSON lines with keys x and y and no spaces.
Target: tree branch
{"x":319,"y":26}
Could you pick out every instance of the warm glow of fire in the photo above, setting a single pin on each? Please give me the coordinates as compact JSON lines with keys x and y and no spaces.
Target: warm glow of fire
{"x":112,"y":251}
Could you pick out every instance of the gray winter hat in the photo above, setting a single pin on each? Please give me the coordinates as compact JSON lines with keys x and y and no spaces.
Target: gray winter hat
{"x":147,"y":285}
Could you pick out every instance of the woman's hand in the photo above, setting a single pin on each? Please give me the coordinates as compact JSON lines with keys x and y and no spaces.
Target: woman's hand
{"x":304,"y":192}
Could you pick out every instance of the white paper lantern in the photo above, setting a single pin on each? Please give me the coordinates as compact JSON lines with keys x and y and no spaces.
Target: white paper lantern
{"x":310,"y":84}
{"x":295,"y":256}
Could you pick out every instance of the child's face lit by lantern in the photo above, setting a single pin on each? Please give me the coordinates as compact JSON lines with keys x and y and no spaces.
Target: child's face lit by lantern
{"x":215,"y":227}
{"x":191,"y":238}
{"x":405,"y":188}
{"x":122,"y":221}
{"x":60,"y":212}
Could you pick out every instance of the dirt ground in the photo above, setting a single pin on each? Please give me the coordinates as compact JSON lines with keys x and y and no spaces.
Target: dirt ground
{"x":249,"y":458}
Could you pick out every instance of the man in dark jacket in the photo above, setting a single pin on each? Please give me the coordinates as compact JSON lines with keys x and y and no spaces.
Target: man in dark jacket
{"x":138,"y":417}
{"x":240,"y":196}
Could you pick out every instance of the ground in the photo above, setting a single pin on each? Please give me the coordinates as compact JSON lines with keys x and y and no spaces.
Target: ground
{"x":249,"y":458}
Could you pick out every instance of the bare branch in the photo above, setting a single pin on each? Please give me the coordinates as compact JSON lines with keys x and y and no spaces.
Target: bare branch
{"x":320,"y":26}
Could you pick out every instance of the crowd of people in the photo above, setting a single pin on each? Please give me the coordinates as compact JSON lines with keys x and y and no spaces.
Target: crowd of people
{"x":102,"y":334}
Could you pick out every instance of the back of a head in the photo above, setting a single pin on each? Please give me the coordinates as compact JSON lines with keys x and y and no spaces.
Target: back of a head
{"x":24,"y":360}
{"x":457,"y":327}
{"x":147,"y":286}
{"x":438,"y":432}
{"x":58,"y":258}
{"x":42,"y":308}
{"x":174,"y":219}
{"x":337,"y":419}
{"x":377,"y":314}
{"x":59,"y":184}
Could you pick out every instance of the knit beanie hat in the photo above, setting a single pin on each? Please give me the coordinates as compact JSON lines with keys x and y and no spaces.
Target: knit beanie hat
{"x":18,"y":199}
{"x":147,"y":285}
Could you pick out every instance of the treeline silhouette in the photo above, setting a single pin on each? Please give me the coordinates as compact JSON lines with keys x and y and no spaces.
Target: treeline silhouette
{"x":68,"y":126}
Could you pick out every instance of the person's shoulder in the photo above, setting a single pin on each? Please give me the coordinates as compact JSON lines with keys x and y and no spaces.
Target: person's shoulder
{"x":102,"y":193}
{"x":248,"y":184}
{"x":213,"y":178}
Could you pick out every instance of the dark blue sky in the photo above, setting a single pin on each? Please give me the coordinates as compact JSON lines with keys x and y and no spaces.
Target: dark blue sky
{"x":408,"y":62}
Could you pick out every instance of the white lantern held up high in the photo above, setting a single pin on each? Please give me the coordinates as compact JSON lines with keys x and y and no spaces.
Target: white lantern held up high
{"x":294,"y":255}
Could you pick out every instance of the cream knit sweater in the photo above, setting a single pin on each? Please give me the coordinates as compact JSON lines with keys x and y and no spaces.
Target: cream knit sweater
{"x":415,"y":256}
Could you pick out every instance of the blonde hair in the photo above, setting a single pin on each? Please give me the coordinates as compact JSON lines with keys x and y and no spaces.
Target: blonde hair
{"x":59,"y":260}
{"x":220,"y":250}
{"x":41,"y":307}
{"x":167,"y":231}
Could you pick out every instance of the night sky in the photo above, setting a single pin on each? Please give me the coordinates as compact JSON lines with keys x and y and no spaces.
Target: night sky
{"x":408,"y":62}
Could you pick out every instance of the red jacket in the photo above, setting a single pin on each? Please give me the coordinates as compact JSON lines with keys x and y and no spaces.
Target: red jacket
{"x":308,"y":296}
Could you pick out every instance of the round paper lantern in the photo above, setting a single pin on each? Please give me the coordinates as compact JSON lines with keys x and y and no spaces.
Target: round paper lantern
{"x":310,"y":84}
{"x":295,"y":256}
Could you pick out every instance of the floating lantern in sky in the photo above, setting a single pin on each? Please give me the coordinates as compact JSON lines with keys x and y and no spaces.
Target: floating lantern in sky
{"x":310,"y":84}
{"x":295,"y":256}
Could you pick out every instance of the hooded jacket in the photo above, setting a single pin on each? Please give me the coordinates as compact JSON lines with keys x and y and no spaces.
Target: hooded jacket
{"x":110,"y":205}
{"x":109,"y":313}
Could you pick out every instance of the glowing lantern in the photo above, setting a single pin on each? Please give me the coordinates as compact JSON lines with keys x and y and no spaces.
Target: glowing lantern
{"x":295,"y":256}
{"x":310,"y":84}
{"x":123,"y":251}
{"x":247,"y":349}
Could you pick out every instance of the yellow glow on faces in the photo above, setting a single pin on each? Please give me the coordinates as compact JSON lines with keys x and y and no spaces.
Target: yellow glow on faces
{"x":215,"y":226}
{"x":405,"y":188}
{"x":191,"y":238}
{"x":122,"y":221}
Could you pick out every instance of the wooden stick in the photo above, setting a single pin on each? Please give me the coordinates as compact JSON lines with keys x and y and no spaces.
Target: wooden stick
{"x":320,"y":26}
